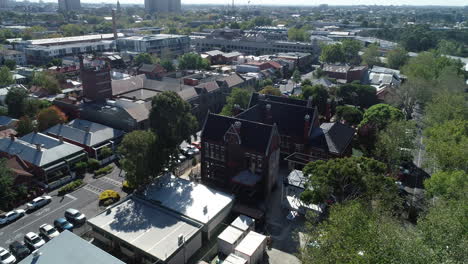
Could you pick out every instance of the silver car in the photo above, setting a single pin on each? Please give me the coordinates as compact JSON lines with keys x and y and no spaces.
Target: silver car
{"x":6,"y":257}
{"x":48,"y":231}
{"x":38,"y":202}
{"x":11,"y":216}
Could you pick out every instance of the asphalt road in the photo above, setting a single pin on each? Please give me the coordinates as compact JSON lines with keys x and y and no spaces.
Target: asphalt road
{"x":84,"y":199}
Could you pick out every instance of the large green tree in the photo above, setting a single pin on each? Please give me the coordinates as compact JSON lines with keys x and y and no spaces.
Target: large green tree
{"x":319,"y":96}
{"x":371,"y":55}
{"x":354,"y":234}
{"x":50,"y":117}
{"x":193,"y":61}
{"x":357,"y":94}
{"x":351,"y":48}
{"x":15,"y":100}
{"x":350,"y":114}
{"x":270,"y":90}
{"x":238,"y":96}
{"x":397,"y":58}
{"x":445,"y":106}
{"x":139,"y":154}
{"x":349,"y":178}
{"x":332,"y":53}
{"x":47,"y":81}
{"x":145,"y":58}
{"x":6,"y":186}
{"x":379,"y":115}
{"x":447,"y":144}
{"x":448,"y":184}
{"x":6,"y":78}
{"x":172,"y":122}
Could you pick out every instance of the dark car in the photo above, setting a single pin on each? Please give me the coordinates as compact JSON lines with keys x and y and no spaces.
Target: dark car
{"x":62,"y":224}
{"x":19,"y":250}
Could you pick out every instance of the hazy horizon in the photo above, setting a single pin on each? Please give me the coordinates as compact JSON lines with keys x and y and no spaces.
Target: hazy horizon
{"x":454,"y":3}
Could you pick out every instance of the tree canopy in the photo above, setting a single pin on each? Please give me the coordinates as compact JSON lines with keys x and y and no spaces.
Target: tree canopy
{"x":319,"y":96}
{"x":6,"y":78}
{"x":193,"y":61}
{"x":47,"y":81}
{"x":344,"y":179}
{"x":379,"y":115}
{"x":351,"y":115}
{"x":50,"y":117}
{"x":6,"y":186}
{"x":270,"y":90}
{"x":396,"y":58}
{"x":332,"y":53}
{"x":358,"y":94}
{"x":145,"y":58}
{"x":238,"y":96}
{"x":447,"y":184}
{"x":351,"y":48}
{"x":371,"y":55}
{"x":15,"y":100}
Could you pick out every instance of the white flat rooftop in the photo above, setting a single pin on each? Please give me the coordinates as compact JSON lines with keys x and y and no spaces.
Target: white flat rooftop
{"x":193,"y":200}
{"x":72,"y":39}
{"x":230,"y":235}
{"x":148,"y":227}
{"x":243,"y":222}
{"x":250,"y":243}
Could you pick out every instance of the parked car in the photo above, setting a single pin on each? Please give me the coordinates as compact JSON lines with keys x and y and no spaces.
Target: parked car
{"x":19,"y":250}
{"x":75,"y":216}
{"x":33,"y":241}
{"x":62,"y":224}
{"x":11,"y":216}
{"x":38,"y":202}
{"x":6,"y":257}
{"x":182,"y":157}
{"x":48,"y":231}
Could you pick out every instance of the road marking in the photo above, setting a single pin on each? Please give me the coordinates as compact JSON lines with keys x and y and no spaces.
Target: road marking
{"x":30,"y":223}
{"x":111,"y":181}
{"x":70,"y":196}
{"x":93,"y":189}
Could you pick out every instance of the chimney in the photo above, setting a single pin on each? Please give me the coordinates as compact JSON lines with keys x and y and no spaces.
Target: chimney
{"x":306,"y":126}
{"x":237,"y":126}
{"x":328,"y":110}
{"x":39,"y":147}
{"x":114,"y":27}
{"x":236,"y":110}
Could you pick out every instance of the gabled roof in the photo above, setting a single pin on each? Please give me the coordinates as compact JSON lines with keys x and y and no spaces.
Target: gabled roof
{"x":208,"y":86}
{"x":51,"y":149}
{"x":6,"y":120}
{"x":289,"y":118}
{"x":127,"y":85}
{"x":253,"y":135}
{"x":151,"y":68}
{"x":187,"y":94}
{"x":256,"y":97}
{"x":332,"y":137}
{"x":85,"y":132}
{"x":232,"y":80}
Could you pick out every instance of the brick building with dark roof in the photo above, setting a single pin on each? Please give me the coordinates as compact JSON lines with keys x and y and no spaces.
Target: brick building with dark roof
{"x":271,"y":129}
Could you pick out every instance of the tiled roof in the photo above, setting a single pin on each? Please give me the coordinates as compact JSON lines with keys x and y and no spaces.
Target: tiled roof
{"x":6,"y":120}
{"x":76,"y":131}
{"x":208,"y":86}
{"x":151,"y":68}
{"x":332,"y":137}
{"x":232,"y":80}
{"x":253,"y":135}
{"x":256,"y":97}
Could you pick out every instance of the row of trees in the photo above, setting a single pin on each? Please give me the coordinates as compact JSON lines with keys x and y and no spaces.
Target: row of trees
{"x":346,"y":51}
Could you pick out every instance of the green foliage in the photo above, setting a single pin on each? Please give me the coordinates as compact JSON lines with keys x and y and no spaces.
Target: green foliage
{"x":47,"y":81}
{"x":6,"y":185}
{"x":193,"y":61}
{"x":73,"y":30}
{"x":109,"y":194}
{"x":357,"y":94}
{"x":444,"y":230}
{"x":239,"y":96}
{"x":352,"y":115}
{"x":319,"y":96}
{"x":350,"y":178}
{"x":80,"y":167}
{"x":379,"y":115}
{"x":15,"y":100}
{"x":93,"y":164}
{"x":137,"y":149}
{"x":50,"y":117}
{"x":11,"y":64}
{"x":351,"y":50}
{"x":296,"y":76}
{"x":6,"y":78}
{"x":395,"y":143}
{"x":25,"y":126}
{"x":32,"y":106}
{"x":105,"y":152}
{"x":298,"y":34}
{"x":332,"y":53}
{"x":270,"y":90}
{"x":396,"y":58}
{"x":417,"y":38}
{"x":447,"y":144}
{"x":445,"y":106}
{"x":167,"y":65}
{"x":449,"y":185}
{"x":371,"y":55}
{"x":354,"y":234}
{"x":145,"y":58}
{"x":428,"y":66}
{"x":104,"y":170}
{"x":453,"y":48}
{"x":70,"y":187}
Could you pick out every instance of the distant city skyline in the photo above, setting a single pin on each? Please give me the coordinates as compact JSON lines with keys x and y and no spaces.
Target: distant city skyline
{"x":298,"y":2}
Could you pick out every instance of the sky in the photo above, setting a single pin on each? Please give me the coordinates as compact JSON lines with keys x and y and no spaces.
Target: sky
{"x":302,"y":2}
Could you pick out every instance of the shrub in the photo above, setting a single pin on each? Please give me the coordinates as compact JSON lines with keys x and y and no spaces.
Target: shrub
{"x":93,"y":164}
{"x":70,"y":187}
{"x":80,"y":167}
{"x":127,"y":185}
{"x":109,"y":194}
{"x":105,"y":170}
{"x":106,"y":152}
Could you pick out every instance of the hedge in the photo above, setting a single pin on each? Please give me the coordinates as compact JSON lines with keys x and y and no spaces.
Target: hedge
{"x":109,"y":194}
{"x":93,"y":164}
{"x":103,"y":171}
{"x":70,"y":187}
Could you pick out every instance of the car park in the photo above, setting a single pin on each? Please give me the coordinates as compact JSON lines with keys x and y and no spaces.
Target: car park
{"x":75,"y":216}
{"x":11,"y":216}
{"x":19,"y":250}
{"x":6,"y":257}
{"x":62,"y":224}
{"x":33,"y":241}
{"x":38,"y":202}
{"x":48,"y":231}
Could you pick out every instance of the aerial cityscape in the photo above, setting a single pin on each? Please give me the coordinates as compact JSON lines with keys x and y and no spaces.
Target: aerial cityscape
{"x":234,"y":132}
